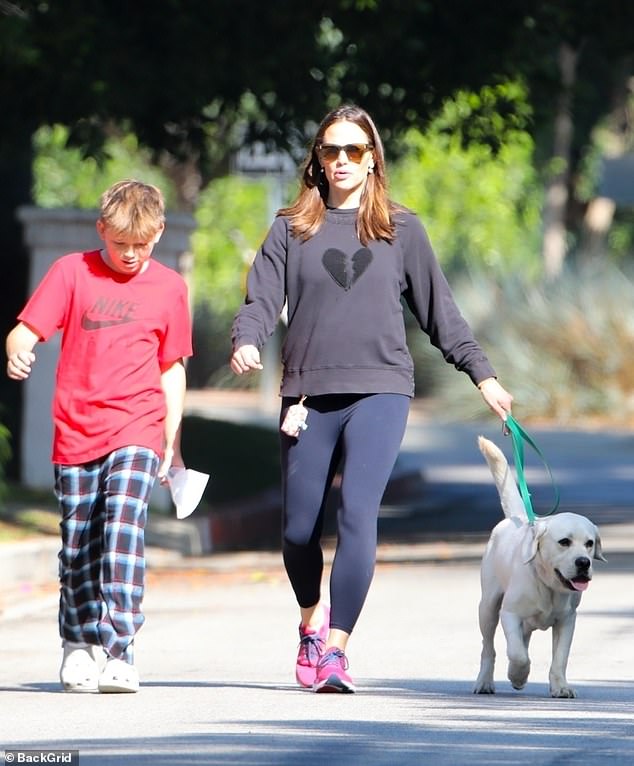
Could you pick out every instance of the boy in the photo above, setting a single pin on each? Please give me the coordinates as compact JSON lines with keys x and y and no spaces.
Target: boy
{"x":117,"y":409}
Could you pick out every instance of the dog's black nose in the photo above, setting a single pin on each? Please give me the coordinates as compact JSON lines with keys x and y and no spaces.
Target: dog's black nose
{"x":582,"y":563}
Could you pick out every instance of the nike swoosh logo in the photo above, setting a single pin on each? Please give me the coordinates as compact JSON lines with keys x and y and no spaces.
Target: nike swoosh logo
{"x":97,"y":324}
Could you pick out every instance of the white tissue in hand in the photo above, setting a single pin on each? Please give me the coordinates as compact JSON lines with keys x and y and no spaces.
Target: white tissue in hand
{"x":186,"y":487}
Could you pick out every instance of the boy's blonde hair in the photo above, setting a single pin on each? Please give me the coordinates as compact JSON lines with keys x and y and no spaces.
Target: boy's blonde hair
{"x":134,"y":209}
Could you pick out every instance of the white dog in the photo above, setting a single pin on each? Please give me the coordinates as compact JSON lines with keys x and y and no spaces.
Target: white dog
{"x":532,"y":577}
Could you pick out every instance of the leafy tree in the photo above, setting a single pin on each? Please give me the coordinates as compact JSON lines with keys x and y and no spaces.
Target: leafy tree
{"x":482,"y":208}
{"x":195,"y":80}
{"x":64,"y":177}
{"x":233,"y":216}
{"x":229,"y":71}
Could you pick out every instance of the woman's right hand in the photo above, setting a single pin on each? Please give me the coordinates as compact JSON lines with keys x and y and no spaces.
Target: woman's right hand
{"x":244,"y":359}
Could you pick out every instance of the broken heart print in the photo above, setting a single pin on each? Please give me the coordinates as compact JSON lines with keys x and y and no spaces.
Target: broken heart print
{"x":345,"y":269}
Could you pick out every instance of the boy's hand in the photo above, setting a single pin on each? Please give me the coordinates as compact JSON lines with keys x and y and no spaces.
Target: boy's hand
{"x":19,"y":364}
{"x":244,"y":359}
{"x":166,"y":464}
{"x":170,"y":458}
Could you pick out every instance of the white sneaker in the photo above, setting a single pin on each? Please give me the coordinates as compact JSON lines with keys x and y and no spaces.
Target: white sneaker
{"x":118,"y":677}
{"x":82,"y":665}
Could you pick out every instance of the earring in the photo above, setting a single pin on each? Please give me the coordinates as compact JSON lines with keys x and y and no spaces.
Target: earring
{"x":370,"y":169}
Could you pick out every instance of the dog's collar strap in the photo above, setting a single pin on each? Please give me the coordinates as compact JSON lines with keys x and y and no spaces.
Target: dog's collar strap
{"x":519,"y":436}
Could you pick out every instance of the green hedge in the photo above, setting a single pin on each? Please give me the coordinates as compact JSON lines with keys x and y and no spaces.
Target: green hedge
{"x":241,"y":459}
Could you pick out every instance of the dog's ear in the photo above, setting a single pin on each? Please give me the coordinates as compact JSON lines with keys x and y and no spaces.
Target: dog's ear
{"x":530,"y":546}
{"x":598,"y":549}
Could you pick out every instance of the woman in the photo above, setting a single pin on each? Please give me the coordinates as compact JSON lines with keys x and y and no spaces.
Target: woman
{"x":342,"y":255}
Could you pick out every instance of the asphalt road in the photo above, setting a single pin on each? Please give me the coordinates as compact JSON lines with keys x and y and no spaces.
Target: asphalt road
{"x":216,"y":655}
{"x":216,"y":661}
{"x":593,"y":471}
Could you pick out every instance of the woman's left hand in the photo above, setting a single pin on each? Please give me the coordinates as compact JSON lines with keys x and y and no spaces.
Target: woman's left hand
{"x":497,"y":398}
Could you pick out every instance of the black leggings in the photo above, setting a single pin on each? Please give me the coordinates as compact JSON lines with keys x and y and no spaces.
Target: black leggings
{"x":364,"y":434}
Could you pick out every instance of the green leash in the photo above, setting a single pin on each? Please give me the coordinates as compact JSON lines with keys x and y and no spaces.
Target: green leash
{"x":519,"y":436}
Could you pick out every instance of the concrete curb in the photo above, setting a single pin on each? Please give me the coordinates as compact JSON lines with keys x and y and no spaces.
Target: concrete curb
{"x":29,"y":569}
{"x":33,"y":561}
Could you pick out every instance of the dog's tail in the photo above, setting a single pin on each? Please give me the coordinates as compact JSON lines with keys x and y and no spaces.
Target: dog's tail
{"x":510,"y":497}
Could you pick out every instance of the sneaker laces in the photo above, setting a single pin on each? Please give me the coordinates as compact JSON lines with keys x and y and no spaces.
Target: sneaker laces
{"x":310,"y":649}
{"x":334,"y":657}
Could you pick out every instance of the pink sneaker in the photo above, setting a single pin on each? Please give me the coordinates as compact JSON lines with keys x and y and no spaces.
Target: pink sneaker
{"x":311,"y":646}
{"x":331,"y":673}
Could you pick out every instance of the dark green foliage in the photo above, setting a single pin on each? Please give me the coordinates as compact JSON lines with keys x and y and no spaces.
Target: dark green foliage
{"x":242,"y":459}
{"x":190,"y":78}
{"x":5,"y":454}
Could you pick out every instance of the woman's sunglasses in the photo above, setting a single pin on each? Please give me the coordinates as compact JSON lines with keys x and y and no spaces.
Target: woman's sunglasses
{"x":354,"y":152}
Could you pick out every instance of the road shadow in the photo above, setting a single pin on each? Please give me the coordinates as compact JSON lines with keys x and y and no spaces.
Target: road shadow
{"x":442,"y":723}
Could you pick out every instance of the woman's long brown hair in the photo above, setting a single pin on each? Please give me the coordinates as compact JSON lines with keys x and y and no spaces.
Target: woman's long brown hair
{"x":374,"y":220}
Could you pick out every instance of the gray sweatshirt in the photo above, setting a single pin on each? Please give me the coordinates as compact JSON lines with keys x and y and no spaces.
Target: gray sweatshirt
{"x":346,"y":330}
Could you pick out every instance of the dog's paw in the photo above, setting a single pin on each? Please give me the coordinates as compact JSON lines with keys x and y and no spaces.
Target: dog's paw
{"x":563,"y":692}
{"x":518,"y":674}
{"x":484,"y":687}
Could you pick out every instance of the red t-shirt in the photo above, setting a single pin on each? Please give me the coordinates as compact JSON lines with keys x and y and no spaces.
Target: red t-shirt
{"x":116,"y":332}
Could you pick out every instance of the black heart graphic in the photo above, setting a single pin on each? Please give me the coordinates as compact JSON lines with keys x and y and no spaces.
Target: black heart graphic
{"x":345,"y":271}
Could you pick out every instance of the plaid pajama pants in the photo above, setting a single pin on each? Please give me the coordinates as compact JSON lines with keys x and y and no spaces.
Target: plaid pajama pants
{"x":102,"y":562}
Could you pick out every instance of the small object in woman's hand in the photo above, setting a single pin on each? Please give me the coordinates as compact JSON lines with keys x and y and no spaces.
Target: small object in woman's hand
{"x":295,"y":419}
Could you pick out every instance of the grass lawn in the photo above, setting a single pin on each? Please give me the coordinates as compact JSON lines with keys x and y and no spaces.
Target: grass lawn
{"x":26,"y":513}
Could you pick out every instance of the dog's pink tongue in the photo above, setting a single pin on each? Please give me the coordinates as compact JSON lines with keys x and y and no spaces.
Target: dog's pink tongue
{"x":580,"y":584}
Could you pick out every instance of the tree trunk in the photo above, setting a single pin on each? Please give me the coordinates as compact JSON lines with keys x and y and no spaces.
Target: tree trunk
{"x":596,"y":224}
{"x":554,"y":243}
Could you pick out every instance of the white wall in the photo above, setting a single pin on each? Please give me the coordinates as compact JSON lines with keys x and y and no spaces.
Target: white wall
{"x":48,"y":235}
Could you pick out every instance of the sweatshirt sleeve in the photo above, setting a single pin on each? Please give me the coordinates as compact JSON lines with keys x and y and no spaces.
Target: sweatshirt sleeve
{"x":429,"y":297}
{"x":266,"y":290}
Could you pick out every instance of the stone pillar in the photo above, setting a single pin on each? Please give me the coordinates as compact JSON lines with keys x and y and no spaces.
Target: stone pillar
{"x":49,"y":234}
